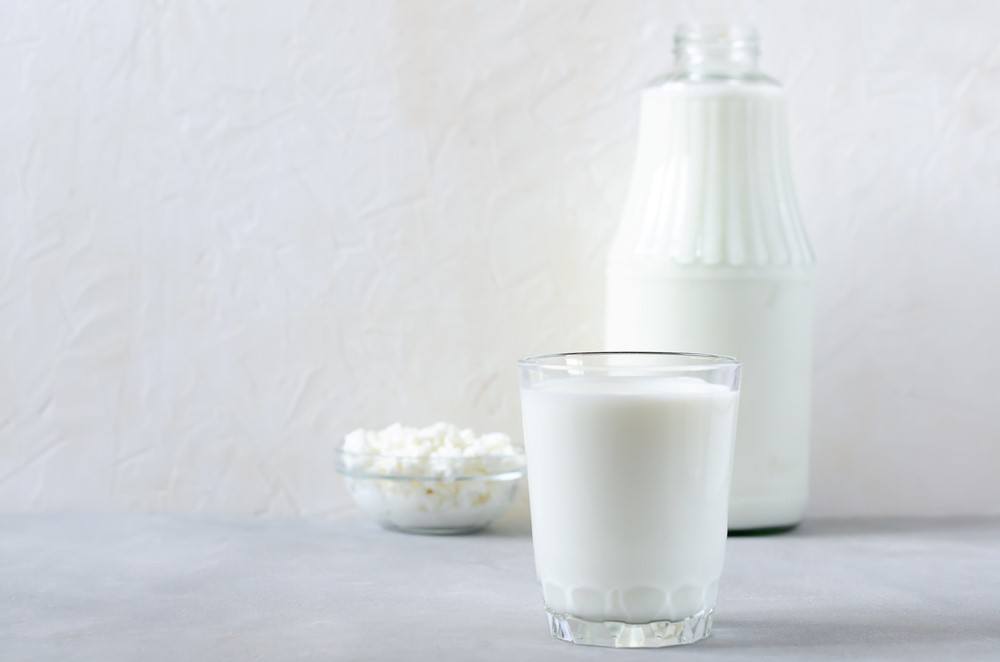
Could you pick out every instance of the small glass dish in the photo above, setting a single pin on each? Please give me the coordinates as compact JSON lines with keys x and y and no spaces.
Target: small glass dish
{"x":432,"y":495}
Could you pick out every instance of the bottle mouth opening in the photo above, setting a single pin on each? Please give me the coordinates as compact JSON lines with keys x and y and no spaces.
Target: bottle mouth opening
{"x":725,"y":36}
{"x":717,"y":50}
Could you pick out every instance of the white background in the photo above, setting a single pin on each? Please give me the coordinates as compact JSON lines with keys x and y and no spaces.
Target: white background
{"x":231,"y":232}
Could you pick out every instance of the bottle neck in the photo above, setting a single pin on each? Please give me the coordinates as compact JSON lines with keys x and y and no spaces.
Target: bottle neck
{"x":716,"y":52}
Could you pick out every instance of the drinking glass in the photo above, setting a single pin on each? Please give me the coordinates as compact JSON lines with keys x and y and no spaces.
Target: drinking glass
{"x":629,"y":462}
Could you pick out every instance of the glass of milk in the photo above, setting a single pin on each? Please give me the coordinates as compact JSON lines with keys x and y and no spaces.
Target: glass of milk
{"x":629,"y":463}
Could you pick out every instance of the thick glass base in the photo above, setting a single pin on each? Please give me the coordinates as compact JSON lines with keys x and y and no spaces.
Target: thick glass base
{"x":614,"y":634}
{"x":764,"y":530}
{"x":776,"y":513}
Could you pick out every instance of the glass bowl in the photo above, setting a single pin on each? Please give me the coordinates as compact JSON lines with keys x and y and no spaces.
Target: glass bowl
{"x":435,"y":495}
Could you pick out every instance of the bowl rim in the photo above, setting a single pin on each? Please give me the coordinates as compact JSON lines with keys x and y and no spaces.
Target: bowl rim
{"x":516,"y":464}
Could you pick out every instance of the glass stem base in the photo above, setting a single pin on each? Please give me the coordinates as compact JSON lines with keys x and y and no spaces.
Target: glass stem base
{"x":615,"y":634}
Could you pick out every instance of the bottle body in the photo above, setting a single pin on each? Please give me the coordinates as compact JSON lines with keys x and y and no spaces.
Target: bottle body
{"x":711,"y":256}
{"x":764,"y":321}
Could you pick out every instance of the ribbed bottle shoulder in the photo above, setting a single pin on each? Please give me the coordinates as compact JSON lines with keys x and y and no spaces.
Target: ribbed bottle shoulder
{"x":712,"y":183}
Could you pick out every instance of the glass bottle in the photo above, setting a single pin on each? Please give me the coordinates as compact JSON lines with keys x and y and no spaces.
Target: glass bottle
{"x":711,"y":256}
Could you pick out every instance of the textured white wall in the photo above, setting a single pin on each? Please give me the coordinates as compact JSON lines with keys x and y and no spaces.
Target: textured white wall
{"x":230,"y":232}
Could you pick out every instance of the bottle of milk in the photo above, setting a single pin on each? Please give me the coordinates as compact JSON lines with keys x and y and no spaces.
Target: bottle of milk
{"x":711,"y":256}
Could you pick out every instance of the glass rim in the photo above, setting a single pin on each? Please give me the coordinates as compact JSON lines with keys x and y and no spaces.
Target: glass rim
{"x":696,"y":361}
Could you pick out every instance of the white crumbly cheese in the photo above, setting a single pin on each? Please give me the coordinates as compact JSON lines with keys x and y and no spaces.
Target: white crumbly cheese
{"x":440,"y":476}
{"x":440,"y":439}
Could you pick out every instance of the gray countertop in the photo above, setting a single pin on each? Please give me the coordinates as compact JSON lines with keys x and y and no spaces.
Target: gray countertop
{"x":150,"y":588}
